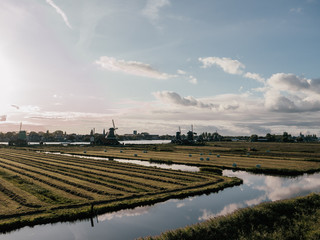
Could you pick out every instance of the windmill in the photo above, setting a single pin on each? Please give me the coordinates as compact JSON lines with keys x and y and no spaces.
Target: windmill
{"x":111,"y":132}
{"x":22,"y":134}
{"x":21,"y":140}
{"x":190,"y":134}
{"x":178,"y":135}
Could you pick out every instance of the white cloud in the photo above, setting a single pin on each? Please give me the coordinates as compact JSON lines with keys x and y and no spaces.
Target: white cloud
{"x":254,"y":76}
{"x":131,"y":67}
{"x":175,"y":98}
{"x":193,"y":80}
{"x":214,"y":104}
{"x":60,"y":12}
{"x":291,"y":82}
{"x":290,"y":93}
{"x":227,"y":64}
{"x":153,"y":7}
{"x":181,"y":72}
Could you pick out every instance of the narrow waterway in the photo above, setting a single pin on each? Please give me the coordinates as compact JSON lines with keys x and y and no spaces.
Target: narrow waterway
{"x":175,"y":213}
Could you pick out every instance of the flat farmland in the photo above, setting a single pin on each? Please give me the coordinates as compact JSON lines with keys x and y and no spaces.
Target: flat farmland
{"x":278,"y":158}
{"x":37,"y":188}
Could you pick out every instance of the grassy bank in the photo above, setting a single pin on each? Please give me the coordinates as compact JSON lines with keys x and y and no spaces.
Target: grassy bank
{"x":40,"y":188}
{"x":283,"y":220}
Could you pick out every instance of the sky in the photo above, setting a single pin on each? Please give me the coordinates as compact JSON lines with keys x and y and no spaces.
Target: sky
{"x":236,"y":67}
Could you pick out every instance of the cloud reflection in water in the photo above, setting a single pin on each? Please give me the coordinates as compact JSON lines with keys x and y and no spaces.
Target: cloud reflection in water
{"x":272,"y":188}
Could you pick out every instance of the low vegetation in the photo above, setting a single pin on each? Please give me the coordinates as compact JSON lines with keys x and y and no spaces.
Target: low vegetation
{"x":39,"y":188}
{"x":36,"y":187}
{"x":283,"y":220}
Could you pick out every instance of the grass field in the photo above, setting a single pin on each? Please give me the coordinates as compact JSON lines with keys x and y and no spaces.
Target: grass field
{"x":276,"y":158}
{"x":39,"y":188}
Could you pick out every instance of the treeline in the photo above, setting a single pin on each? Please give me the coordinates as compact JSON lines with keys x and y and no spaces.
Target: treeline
{"x":60,"y":136}
{"x":285,"y":137}
{"x":56,"y":136}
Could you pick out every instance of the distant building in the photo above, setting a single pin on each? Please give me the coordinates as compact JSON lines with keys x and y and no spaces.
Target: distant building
{"x":135,"y":132}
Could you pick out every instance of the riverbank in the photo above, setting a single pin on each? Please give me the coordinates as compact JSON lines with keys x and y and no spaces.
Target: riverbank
{"x":297,"y":218}
{"x":38,"y":188}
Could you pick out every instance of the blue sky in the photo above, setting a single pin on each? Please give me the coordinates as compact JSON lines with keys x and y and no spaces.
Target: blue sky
{"x":238,"y":67}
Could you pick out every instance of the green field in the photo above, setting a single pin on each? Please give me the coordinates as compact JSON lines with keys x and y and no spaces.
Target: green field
{"x":37,"y":187}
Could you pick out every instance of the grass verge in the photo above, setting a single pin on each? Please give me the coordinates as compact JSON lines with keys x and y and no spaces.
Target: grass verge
{"x":297,"y":218}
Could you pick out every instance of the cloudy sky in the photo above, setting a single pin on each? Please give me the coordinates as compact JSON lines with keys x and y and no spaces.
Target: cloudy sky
{"x":238,"y":67}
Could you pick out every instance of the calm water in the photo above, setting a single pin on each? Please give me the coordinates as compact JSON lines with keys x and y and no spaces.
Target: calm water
{"x":145,"y":141}
{"x":152,"y":220}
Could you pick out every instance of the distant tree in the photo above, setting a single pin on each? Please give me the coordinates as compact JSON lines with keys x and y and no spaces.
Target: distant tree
{"x":254,"y":138}
{"x":286,"y":137}
{"x":270,"y":138}
{"x":34,"y":136}
{"x":10,"y":135}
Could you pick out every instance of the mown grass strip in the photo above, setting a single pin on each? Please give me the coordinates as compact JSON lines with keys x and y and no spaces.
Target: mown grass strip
{"x":61,"y":178}
{"x":122,"y":179}
{"x":50,"y":183}
{"x":41,"y":193}
{"x":155,"y":176}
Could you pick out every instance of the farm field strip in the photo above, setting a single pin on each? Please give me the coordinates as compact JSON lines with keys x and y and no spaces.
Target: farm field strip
{"x":41,"y":191}
{"x":20,"y":197}
{"x":149,"y":178}
{"x":8,"y":204}
{"x":46,"y":180}
{"x":134,"y":168}
{"x":118,"y":168}
{"x":87,"y":178}
{"x":74,"y":172}
{"x":223,"y":161}
{"x":75,"y":182}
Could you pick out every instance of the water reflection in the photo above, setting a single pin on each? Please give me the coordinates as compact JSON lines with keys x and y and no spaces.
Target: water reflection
{"x":124,"y":213}
{"x":272,"y":189}
{"x":277,"y":188}
{"x":175,"y":213}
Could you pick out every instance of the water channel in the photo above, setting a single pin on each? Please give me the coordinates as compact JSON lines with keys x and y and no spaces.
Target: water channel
{"x":175,"y":213}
